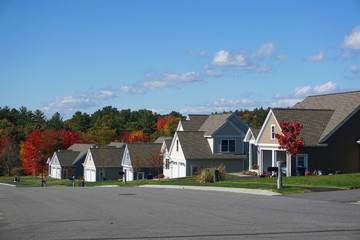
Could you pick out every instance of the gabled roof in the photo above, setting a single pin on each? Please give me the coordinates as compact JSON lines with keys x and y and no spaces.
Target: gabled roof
{"x":213,"y":123}
{"x":117,"y":144}
{"x":81,"y":148}
{"x":162,"y":139}
{"x":193,"y":122}
{"x":107,"y":156}
{"x":314,"y":121}
{"x":142,"y":150}
{"x":343,"y":105}
{"x":66,"y":157}
{"x":195,"y":146}
{"x":255,"y":131}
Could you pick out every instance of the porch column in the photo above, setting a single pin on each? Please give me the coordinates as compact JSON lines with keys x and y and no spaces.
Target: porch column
{"x":288,"y":164}
{"x":250,"y":156}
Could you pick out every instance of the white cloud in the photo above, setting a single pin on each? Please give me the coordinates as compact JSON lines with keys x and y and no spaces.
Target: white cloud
{"x":202,"y":53}
{"x":71,"y":104}
{"x":130,"y":89}
{"x":169,"y":79}
{"x":316,"y":58}
{"x":266,"y":50}
{"x":282,"y":57}
{"x":225,"y":59}
{"x":350,"y":54}
{"x":352,"y":40}
{"x":354,"y":69}
{"x":220,"y":105}
{"x":288,"y":100}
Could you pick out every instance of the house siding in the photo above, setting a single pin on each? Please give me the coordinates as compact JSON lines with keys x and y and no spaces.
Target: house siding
{"x":266,"y":138}
{"x":342,"y":152}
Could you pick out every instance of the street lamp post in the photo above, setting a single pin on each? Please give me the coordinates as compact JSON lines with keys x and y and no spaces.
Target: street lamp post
{"x":42,"y":171}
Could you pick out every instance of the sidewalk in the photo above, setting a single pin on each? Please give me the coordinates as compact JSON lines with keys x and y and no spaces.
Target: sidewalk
{"x":219,"y":189}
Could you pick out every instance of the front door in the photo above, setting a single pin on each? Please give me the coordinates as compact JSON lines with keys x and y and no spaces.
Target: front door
{"x":301,"y":164}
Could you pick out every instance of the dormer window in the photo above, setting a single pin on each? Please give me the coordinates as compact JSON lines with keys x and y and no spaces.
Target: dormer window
{"x":228,"y":145}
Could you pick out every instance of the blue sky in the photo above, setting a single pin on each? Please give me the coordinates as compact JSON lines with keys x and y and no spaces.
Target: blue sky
{"x":185,"y":56}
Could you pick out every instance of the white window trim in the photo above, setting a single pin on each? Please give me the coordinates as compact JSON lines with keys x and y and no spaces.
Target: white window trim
{"x":271,"y":131}
{"x":306,"y":156}
{"x":228,"y":139}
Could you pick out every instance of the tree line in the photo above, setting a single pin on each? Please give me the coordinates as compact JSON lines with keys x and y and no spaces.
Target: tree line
{"x":26,"y":135}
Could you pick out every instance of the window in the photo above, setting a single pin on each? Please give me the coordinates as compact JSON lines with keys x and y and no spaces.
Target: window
{"x":167,"y":163}
{"x":227,"y":145}
{"x":272,"y":136}
{"x":177,"y":145}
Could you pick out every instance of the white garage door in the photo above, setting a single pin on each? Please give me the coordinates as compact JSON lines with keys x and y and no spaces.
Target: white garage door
{"x":93,"y":176}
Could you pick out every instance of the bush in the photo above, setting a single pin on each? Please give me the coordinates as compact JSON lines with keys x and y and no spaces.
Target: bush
{"x":17,"y":171}
{"x":206,"y":175}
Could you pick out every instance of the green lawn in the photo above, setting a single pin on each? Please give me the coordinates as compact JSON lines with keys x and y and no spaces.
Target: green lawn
{"x":290,"y":184}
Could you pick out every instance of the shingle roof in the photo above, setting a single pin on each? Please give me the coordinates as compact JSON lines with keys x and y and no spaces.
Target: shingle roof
{"x":162,"y":139}
{"x":213,"y":123}
{"x":314,"y":121}
{"x":82,"y":148}
{"x":117,"y":144}
{"x":255,"y":131}
{"x":195,"y":122}
{"x":343,"y":105}
{"x":195,"y":146}
{"x":66,"y":157}
{"x":142,"y":150}
{"x":107,"y":156}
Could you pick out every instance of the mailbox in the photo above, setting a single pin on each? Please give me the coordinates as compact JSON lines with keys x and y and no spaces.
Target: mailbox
{"x":273,"y":169}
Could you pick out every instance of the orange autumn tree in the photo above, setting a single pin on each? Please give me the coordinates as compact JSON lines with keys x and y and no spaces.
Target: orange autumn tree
{"x":137,"y":136}
{"x":166,"y":126}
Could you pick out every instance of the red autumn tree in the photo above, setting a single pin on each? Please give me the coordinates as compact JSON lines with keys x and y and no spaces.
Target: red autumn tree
{"x":155,"y":160}
{"x":30,"y":153}
{"x":137,"y":136}
{"x":289,"y":139}
{"x":40,"y":145}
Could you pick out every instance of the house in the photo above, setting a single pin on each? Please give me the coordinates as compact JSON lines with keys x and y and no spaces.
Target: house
{"x":331,"y":131}
{"x":202,"y":141}
{"x":68,"y":163}
{"x":166,"y":143}
{"x":103,"y":163}
{"x":252,"y":150}
{"x":135,"y":160}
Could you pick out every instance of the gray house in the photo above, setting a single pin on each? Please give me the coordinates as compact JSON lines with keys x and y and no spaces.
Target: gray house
{"x":202,"y":141}
{"x":103,"y":163}
{"x":68,"y":163}
{"x":136,"y":160}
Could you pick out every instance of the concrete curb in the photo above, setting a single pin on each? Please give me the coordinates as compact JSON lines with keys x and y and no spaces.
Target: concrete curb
{"x":218,"y":189}
{"x":5,"y":184}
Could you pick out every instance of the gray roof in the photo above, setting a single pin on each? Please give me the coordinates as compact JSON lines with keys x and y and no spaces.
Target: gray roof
{"x":142,"y":150}
{"x":162,"y":139}
{"x":343,"y":105}
{"x":314,"y":121}
{"x":255,"y":131}
{"x":117,"y":144}
{"x":81,"y":148}
{"x":195,"y":122}
{"x":213,"y":123}
{"x":168,"y":144}
{"x":195,"y":146}
{"x":66,"y":157}
{"x":107,"y":156}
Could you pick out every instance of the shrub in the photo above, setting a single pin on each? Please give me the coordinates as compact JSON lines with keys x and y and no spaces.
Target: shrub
{"x":254,"y":166}
{"x":206,"y":175}
{"x":17,"y":171}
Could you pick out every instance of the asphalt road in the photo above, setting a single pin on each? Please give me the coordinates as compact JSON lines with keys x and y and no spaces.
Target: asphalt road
{"x":141,"y":213}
